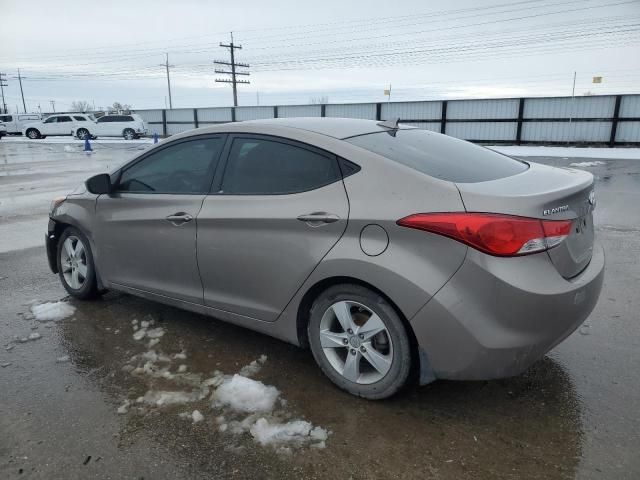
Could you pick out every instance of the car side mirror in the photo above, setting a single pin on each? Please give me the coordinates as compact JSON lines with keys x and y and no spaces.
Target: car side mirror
{"x":99,"y":184}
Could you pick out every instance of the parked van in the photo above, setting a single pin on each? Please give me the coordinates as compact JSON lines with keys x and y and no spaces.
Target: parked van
{"x":15,"y":122}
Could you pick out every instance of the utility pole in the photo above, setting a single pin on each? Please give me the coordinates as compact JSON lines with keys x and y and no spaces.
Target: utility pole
{"x":24,"y":105}
{"x":53,"y":105}
{"x":2,"y":85}
{"x":232,"y":47}
{"x":166,"y":65}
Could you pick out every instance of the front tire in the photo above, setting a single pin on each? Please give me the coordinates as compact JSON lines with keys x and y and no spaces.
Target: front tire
{"x":75,"y":264}
{"x":359,"y":341}
{"x":33,"y":133}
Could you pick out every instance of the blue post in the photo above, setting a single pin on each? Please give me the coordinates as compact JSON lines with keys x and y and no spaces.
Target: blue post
{"x":155,"y":138}
{"x":87,"y":145}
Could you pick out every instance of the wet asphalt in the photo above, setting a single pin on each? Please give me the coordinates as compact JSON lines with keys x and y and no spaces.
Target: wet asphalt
{"x":574,"y":414}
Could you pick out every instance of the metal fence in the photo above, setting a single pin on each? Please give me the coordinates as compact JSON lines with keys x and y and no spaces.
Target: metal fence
{"x":592,"y":120}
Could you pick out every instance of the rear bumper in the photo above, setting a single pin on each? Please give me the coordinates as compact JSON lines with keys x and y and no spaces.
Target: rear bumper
{"x":497,"y":316}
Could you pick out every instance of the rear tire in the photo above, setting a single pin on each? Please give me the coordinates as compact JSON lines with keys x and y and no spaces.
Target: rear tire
{"x":82,"y":133}
{"x":359,"y":341}
{"x":129,"y":134}
{"x":33,"y":133}
{"x":75,"y":264}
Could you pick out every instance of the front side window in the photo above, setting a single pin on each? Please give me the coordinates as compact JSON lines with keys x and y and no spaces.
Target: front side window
{"x":104,"y":119}
{"x":183,"y":168}
{"x":51,"y":120}
{"x":64,"y":119}
{"x":269,"y":167}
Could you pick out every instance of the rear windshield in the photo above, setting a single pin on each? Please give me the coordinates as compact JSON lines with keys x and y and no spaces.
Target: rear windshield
{"x":440,"y":156}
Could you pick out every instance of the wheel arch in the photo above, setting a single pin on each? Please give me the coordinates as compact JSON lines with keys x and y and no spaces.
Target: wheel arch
{"x":304,"y":311}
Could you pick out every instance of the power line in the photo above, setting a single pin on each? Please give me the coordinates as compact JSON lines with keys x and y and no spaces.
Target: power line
{"x":233,"y":64}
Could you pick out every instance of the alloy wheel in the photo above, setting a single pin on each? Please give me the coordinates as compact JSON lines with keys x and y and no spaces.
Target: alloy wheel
{"x":73,"y":260}
{"x":356,"y":342}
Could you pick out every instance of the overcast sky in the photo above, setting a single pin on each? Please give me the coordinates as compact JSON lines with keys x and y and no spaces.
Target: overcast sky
{"x":347,"y":51}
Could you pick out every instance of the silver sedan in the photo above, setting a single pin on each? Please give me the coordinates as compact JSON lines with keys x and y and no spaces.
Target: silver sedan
{"x":396,"y":254}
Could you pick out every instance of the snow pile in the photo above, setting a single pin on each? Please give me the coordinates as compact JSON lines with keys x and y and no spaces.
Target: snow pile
{"x":69,"y":148}
{"x":52,"y":311}
{"x":587,"y":164}
{"x":245,"y":395}
{"x":251,"y":407}
{"x":293,"y":432}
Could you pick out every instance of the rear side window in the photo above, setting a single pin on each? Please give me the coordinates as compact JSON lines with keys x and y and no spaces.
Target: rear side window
{"x":440,"y":156}
{"x":126,"y":118}
{"x":183,"y":168}
{"x":269,"y":167}
{"x":80,"y":119}
{"x":6,"y":118}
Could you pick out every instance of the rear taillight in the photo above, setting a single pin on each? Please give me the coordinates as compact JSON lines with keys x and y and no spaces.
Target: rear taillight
{"x":495,"y":234}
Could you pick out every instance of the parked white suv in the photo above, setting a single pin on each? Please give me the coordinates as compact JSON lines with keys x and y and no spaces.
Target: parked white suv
{"x":15,"y":122}
{"x":58,"y":124}
{"x":127,"y":126}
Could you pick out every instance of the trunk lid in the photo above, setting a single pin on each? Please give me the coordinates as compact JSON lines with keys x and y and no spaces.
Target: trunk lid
{"x":547,"y":193}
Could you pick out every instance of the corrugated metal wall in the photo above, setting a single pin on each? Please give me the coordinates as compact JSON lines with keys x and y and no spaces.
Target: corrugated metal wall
{"x":542,"y":120}
{"x":355,"y":110}
{"x":299,"y":111}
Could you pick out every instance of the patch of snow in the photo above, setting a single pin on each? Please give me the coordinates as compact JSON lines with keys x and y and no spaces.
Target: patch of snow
{"x":139,"y":334}
{"x":254,"y":367}
{"x":196,"y":416}
{"x":591,"y":152}
{"x":295,"y":431}
{"x":6,"y":364}
{"x":69,"y":148}
{"x":155,"y":332}
{"x":153,"y":342}
{"x":34,"y":336}
{"x":124,"y":408}
{"x":52,"y":311}
{"x":179,"y":356}
{"x":162,"y":398}
{"x":246,"y":395}
{"x":62,"y":359}
{"x":182,"y":368}
{"x":587,"y":164}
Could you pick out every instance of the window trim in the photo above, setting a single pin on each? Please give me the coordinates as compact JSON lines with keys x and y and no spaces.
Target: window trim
{"x":117,"y":175}
{"x":222,"y":166}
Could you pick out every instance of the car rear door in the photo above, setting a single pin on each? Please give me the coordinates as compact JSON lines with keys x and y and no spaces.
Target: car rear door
{"x":145,"y":230}
{"x":63,"y":126}
{"x":276,"y":211}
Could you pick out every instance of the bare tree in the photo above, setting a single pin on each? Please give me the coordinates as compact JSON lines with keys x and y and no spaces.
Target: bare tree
{"x":119,"y":107}
{"x":80,"y":106}
{"x":322,"y":100}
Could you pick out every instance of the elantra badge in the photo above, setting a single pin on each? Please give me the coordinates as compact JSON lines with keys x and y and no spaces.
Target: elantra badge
{"x":551,"y":211}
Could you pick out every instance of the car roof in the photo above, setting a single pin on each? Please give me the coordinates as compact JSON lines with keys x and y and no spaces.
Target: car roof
{"x":339,"y":128}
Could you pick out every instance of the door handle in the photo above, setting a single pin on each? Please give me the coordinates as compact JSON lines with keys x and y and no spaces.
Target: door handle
{"x":317,"y":218}
{"x":179,"y":218}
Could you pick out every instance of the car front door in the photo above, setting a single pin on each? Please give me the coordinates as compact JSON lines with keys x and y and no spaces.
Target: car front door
{"x":49,"y":126}
{"x":102,"y":126}
{"x":277,"y":210}
{"x":145,"y":231}
{"x":63,"y":126}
